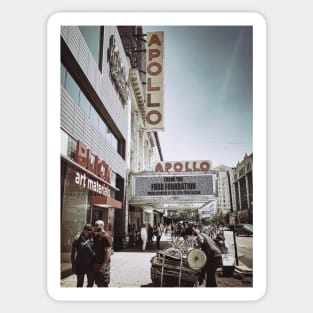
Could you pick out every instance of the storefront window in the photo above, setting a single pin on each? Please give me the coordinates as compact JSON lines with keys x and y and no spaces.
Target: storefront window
{"x":74,"y":211}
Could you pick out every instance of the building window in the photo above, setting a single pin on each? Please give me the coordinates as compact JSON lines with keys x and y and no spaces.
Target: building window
{"x":64,"y":142}
{"x":68,"y":145}
{"x":92,"y":161}
{"x":84,"y":103}
{"x":103,"y":128}
{"x":113,"y":178}
{"x":94,"y":117}
{"x":114,"y":143}
{"x":71,"y":87}
{"x":77,"y":95}
{"x":63,"y":74}
{"x":93,"y":36}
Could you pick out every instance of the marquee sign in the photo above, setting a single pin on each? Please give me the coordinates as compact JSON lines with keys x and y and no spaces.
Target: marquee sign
{"x":183,"y":166}
{"x":173,"y":185}
{"x":154,"y":83}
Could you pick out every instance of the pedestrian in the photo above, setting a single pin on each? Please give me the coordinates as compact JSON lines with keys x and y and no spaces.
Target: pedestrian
{"x":150,"y":235}
{"x":214,"y":260}
{"x":103,"y":251}
{"x":82,"y":256}
{"x":188,"y":231}
{"x":132,"y":236}
{"x":221,"y":243}
{"x":158,"y":234}
{"x":144,"y":236}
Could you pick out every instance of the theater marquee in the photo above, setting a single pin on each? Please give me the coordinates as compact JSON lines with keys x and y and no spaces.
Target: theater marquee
{"x":183,"y":166}
{"x":154,"y":83}
{"x":173,"y":185}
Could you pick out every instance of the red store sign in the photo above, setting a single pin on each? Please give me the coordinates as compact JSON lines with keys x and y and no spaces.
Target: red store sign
{"x":99,"y":167}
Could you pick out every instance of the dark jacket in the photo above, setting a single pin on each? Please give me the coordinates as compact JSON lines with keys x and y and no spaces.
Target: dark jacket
{"x":82,"y":255}
{"x":212,"y":251}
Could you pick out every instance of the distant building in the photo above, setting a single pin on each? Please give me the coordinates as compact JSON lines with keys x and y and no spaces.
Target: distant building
{"x":243,"y":183}
{"x":208,"y":211}
{"x":226,"y":192}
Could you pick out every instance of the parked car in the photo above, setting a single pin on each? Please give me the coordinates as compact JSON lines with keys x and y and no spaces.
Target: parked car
{"x":243,"y":229}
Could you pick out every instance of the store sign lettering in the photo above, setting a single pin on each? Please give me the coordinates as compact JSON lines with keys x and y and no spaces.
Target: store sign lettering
{"x":93,"y":185}
{"x":98,"y":167}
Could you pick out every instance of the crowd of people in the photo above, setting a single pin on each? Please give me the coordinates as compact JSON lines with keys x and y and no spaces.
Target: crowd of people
{"x":147,"y":234}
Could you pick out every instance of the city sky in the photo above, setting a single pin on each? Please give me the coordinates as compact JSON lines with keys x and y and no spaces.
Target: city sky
{"x":208,"y":105}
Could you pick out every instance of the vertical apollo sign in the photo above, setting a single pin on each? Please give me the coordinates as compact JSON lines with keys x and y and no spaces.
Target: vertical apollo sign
{"x":154,"y":83}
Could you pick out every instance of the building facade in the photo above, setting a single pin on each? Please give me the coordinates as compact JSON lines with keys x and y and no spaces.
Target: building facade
{"x":208,"y":211}
{"x":243,"y":183}
{"x":144,"y":148}
{"x":94,"y":123}
{"x":226,"y":200}
{"x":103,"y":135}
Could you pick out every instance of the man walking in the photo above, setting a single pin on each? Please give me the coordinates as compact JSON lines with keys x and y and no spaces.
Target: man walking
{"x":103,"y":251}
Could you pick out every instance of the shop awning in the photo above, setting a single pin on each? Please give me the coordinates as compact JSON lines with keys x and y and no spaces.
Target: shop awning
{"x":105,"y":202}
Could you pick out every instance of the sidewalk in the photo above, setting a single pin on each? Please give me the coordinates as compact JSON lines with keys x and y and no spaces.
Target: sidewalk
{"x":66,"y":268}
{"x":131,"y":268}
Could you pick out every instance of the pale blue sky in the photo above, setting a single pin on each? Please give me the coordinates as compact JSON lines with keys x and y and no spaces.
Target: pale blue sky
{"x":207,"y":93}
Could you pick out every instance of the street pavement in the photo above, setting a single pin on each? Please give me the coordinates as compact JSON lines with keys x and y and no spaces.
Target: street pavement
{"x":131,"y":268}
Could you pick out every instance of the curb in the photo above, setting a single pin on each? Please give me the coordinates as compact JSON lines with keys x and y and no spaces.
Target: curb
{"x":243,"y":270}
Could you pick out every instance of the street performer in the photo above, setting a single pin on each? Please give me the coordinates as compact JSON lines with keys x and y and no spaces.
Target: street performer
{"x":214,"y":260}
{"x":103,"y":251}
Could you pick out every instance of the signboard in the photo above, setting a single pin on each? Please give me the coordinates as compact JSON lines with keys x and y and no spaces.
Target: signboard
{"x":99,"y":167}
{"x":183,"y":166}
{"x":117,"y":71}
{"x":231,"y":218}
{"x":173,"y":185}
{"x":154,"y":83}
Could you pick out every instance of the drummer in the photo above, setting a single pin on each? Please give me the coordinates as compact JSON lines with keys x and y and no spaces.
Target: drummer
{"x":214,"y":260}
